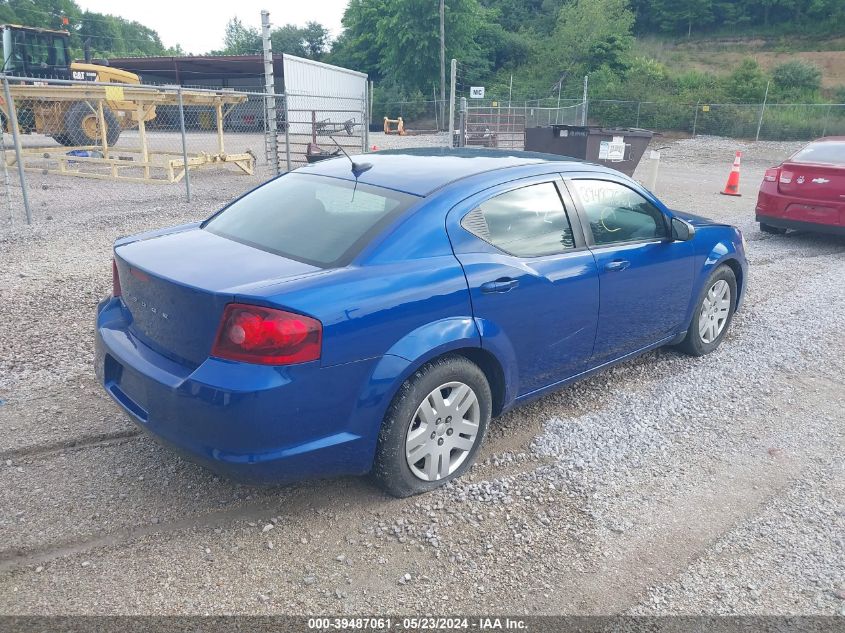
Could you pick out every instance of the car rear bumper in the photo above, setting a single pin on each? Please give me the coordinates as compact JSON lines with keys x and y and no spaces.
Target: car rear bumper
{"x":798,"y":225}
{"x":799,"y":213}
{"x":254,"y":423}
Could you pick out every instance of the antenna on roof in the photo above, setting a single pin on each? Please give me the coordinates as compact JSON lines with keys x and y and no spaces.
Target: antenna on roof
{"x":357,"y":168}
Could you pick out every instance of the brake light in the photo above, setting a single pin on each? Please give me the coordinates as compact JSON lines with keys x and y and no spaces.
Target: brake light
{"x":115,"y":280}
{"x":785,"y":177}
{"x":265,"y":336}
{"x":771,"y":174}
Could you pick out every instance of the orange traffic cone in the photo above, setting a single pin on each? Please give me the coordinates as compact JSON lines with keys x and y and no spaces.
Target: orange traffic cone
{"x":732,"y":187}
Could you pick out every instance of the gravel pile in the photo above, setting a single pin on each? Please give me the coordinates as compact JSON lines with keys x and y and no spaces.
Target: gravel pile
{"x":716,"y":150}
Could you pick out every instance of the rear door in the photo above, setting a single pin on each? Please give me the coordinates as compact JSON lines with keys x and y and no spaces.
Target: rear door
{"x":531,"y":279}
{"x":645,"y":279}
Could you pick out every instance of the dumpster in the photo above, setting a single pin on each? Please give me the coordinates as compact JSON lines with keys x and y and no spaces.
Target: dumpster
{"x":617,"y":148}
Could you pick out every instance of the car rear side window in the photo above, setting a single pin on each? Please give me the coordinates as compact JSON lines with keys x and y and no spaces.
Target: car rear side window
{"x":314,"y":219}
{"x":617,"y":213}
{"x":527,"y":222}
{"x":828,"y":152}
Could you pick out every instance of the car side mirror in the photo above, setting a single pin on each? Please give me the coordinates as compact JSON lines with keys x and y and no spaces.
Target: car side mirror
{"x":682,"y":231}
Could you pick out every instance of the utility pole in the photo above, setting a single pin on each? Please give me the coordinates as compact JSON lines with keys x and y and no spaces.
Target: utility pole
{"x":272,"y":141}
{"x":442,"y":53}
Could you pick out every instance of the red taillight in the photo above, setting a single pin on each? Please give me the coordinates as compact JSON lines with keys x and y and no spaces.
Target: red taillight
{"x":255,"y":334}
{"x":785,"y":177}
{"x":115,"y":280}
{"x":772,"y":174}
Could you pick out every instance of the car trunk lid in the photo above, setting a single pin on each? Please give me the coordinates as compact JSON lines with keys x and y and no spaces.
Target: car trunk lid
{"x":825,"y":183}
{"x":176,"y":286}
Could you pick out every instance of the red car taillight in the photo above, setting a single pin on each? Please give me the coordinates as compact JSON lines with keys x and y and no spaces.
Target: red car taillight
{"x":772,"y":174}
{"x":785,"y":177}
{"x":115,"y":280}
{"x":265,"y":336}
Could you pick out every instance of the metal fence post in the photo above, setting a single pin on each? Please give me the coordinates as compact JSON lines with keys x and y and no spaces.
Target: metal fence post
{"x":287,"y":130}
{"x":184,"y":145}
{"x":584,"y":110}
{"x":826,"y":120}
{"x":450,"y":128}
{"x":364,"y":123}
{"x":16,"y":137}
{"x":695,"y":117}
{"x":6,"y":182}
{"x":762,"y":111}
{"x":462,"y":132}
{"x":272,"y":139}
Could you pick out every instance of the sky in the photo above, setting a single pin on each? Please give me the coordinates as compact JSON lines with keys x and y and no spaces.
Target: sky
{"x":199,"y":25}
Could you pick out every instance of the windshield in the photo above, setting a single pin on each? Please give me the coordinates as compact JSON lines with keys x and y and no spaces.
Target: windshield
{"x":829,"y":152}
{"x":313,"y":219}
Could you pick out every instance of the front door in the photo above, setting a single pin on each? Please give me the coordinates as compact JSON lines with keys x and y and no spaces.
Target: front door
{"x":531,"y":279}
{"x":645,"y":278}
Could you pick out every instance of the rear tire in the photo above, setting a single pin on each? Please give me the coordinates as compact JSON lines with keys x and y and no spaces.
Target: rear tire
{"x":709,"y":323}
{"x":82,"y":125}
{"x":774,"y":230}
{"x":434,"y":427}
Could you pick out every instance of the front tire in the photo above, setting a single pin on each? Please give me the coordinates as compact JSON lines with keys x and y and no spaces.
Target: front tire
{"x":82,"y":125}
{"x":713,"y":316}
{"x":433,"y":428}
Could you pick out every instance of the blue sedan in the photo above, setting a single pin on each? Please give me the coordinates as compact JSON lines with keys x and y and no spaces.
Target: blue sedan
{"x":372,"y":314}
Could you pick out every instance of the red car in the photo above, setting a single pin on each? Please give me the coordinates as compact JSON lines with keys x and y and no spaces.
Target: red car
{"x":807,"y":191}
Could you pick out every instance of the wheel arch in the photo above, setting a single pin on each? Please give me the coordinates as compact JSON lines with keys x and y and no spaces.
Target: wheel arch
{"x":451,"y":336}
{"x":739,"y":274}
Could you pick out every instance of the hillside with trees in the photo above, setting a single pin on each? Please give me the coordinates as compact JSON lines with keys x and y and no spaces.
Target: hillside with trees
{"x":540,"y":42}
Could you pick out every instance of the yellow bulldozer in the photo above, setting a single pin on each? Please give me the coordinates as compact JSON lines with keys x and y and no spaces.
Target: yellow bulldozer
{"x":34,"y":54}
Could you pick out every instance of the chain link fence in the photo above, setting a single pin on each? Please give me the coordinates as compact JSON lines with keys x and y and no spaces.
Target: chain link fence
{"x":319,"y":127}
{"x":69,"y":147}
{"x":755,"y":121}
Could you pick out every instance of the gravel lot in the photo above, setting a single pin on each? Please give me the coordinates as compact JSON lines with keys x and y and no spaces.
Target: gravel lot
{"x":668,"y":485}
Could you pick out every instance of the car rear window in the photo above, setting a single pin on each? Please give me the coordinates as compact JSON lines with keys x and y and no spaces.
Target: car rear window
{"x":829,"y":152}
{"x":313,"y":219}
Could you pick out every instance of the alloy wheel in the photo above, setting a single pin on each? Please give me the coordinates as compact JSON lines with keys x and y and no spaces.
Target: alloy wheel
{"x":715,"y":310}
{"x":443,"y":431}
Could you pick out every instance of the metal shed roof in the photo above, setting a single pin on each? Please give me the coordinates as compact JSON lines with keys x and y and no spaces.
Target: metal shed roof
{"x":191,"y":68}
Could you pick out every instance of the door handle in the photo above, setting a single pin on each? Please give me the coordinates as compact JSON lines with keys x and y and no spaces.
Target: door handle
{"x":503,"y":284}
{"x":617,"y":265}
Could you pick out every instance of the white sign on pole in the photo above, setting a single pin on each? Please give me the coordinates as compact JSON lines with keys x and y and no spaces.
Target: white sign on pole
{"x":476,"y":92}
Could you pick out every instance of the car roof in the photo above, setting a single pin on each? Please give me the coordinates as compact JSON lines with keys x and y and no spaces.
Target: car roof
{"x":420,"y":171}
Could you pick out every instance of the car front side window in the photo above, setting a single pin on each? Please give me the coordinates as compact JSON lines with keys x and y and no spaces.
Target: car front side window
{"x":617,"y":213}
{"x":526,"y":222}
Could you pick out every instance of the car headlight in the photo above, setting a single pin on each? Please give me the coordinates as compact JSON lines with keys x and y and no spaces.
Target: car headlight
{"x":742,"y":238}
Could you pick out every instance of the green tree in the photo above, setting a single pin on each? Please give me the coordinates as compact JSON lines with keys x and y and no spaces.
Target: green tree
{"x":591,"y":34}
{"x":359,"y":46}
{"x":681,"y":15}
{"x":409,"y":36}
{"x":796,"y":80}
{"x":240,"y":39}
{"x":399,"y":40}
{"x":747,"y":83}
{"x":316,"y":39}
{"x":288,"y":39}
